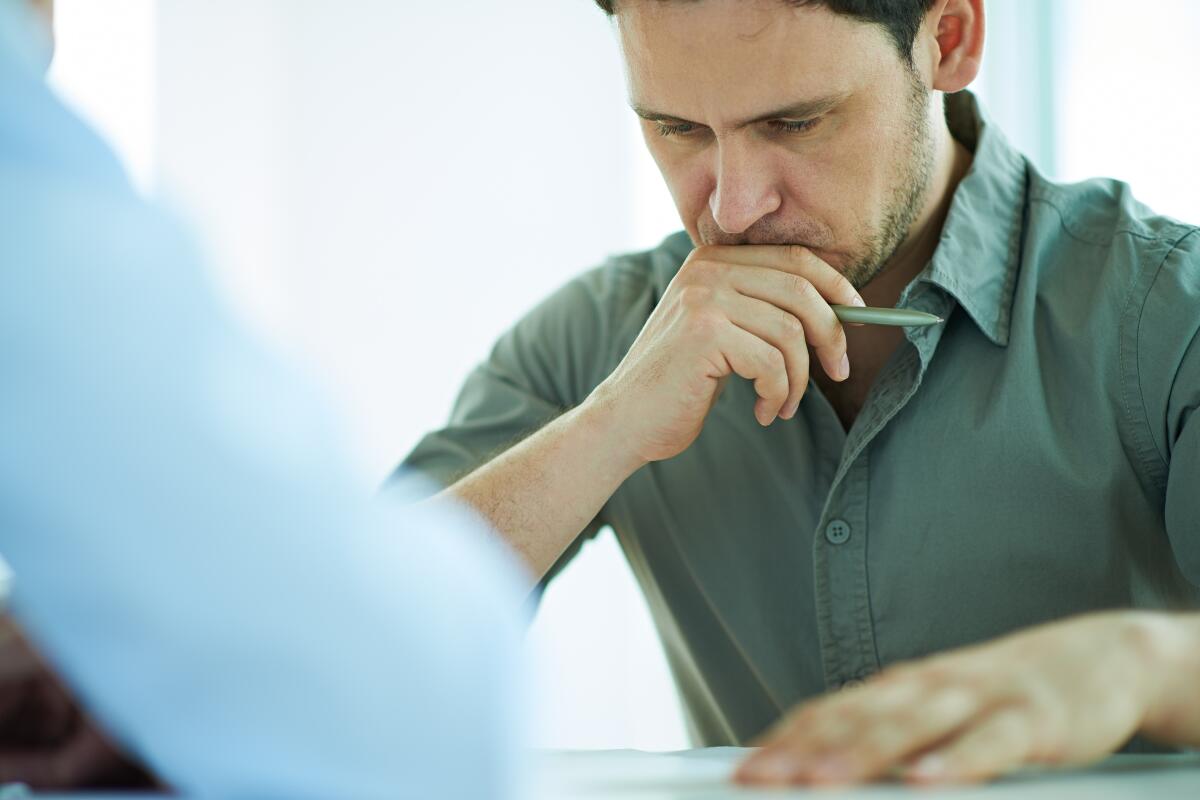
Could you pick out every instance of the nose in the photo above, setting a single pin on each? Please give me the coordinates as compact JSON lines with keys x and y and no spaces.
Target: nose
{"x":745,"y":189}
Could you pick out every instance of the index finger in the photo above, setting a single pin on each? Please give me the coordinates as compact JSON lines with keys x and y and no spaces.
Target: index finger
{"x":798,"y":260}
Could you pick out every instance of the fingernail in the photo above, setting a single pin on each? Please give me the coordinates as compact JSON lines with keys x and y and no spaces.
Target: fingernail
{"x":844,"y":367}
{"x":857,"y":301}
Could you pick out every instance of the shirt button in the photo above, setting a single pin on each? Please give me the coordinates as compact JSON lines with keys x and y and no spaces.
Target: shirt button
{"x":837,"y":532}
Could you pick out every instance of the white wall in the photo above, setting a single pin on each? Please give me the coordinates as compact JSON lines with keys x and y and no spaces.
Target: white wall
{"x":386,"y":185}
{"x":1130,"y":99}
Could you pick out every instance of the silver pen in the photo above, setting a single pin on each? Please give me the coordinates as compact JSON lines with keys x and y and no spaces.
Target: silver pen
{"x":899,"y":317}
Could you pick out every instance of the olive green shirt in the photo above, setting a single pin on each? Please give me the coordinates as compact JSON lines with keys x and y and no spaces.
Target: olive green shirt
{"x":1036,"y":456}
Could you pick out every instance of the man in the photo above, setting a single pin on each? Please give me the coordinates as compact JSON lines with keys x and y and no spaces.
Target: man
{"x":190,"y":549}
{"x":859,"y":498}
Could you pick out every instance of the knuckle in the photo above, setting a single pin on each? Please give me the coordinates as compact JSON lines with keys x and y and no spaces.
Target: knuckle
{"x":696,"y":271}
{"x":791,"y":327}
{"x":800,"y":286}
{"x":797,"y":253}
{"x":774,"y":360}
{"x":695,"y":297}
{"x":770,"y":389}
{"x":843,"y":286}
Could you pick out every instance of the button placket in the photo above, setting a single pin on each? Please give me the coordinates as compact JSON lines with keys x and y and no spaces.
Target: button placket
{"x":840,"y":549}
{"x":843,"y":608}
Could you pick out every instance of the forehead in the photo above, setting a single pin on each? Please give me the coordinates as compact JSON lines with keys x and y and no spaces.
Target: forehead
{"x":708,"y":60}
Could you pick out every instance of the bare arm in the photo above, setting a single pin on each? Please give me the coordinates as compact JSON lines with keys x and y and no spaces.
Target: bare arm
{"x":542,"y":492}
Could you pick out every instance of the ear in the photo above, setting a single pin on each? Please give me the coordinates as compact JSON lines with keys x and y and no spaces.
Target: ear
{"x":952,"y":41}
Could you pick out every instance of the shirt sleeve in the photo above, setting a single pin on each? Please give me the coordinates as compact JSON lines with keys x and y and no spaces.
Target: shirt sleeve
{"x":1183,"y":498}
{"x":547,"y":363}
{"x":191,"y":548}
{"x":1183,"y":476}
{"x":1170,"y":366}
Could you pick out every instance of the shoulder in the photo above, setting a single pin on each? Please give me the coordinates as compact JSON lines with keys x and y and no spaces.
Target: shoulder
{"x":1116,"y":248}
{"x":627,"y":282}
{"x":604,"y":302}
{"x":1100,"y":210}
{"x":569,"y":342}
{"x":1098,"y":226}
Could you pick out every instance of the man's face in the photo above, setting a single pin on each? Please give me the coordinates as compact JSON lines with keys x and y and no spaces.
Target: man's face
{"x":780,"y":125}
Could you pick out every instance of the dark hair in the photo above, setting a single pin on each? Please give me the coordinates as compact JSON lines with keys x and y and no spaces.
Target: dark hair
{"x":900,"y":18}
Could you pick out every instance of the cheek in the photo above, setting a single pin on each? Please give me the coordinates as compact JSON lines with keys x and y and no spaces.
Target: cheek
{"x":816,"y":193}
{"x":845,"y":182}
{"x":842,"y":166}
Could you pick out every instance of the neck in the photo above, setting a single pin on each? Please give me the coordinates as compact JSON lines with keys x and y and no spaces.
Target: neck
{"x":951,"y":162}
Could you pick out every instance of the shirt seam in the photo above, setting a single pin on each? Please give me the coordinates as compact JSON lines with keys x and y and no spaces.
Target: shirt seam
{"x":1141,"y":392}
{"x":1065,"y":220}
{"x":1155,"y":461}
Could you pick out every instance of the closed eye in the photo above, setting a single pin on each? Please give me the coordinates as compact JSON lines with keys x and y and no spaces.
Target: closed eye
{"x":664,"y":128}
{"x":673,"y":128}
{"x":794,"y":125}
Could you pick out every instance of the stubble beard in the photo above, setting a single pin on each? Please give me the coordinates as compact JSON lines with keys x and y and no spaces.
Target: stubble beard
{"x":910,"y":187}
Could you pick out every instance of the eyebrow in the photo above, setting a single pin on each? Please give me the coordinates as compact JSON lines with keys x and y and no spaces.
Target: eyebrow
{"x":801,"y":110}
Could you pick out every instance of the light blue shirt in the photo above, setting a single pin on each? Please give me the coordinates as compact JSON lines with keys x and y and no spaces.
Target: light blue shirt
{"x":189,"y":546}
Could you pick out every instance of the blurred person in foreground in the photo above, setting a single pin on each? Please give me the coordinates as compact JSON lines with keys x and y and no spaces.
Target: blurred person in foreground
{"x":951,"y":550}
{"x":191,"y":551}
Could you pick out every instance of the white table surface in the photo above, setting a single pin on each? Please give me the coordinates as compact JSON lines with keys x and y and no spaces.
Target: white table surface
{"x":704,"y":775}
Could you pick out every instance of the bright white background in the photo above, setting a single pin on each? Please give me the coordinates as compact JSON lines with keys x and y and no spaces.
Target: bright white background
{"x":385,"y":186}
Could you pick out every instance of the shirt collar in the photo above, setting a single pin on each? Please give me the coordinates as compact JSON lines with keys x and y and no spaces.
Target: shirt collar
{"x":978,"y":255}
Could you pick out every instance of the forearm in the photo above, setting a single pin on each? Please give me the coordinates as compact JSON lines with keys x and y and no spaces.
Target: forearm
{"x":1174,"y":713}
{"x":540,"y":494}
